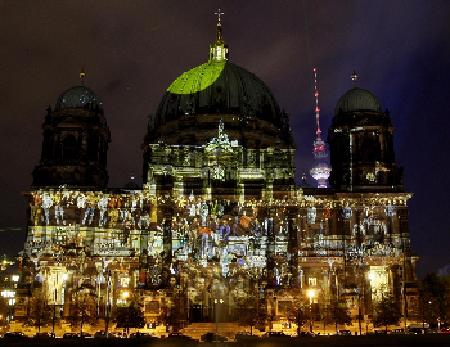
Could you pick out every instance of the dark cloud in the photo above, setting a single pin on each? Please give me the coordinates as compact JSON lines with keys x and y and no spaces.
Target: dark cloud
{"x":132,"y":50}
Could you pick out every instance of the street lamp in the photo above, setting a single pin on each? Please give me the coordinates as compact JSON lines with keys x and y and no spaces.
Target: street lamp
{"x":311,"y":293}
{"x":54,"y":312}
{"x":108,"y":305}
{"x":430,"y":312}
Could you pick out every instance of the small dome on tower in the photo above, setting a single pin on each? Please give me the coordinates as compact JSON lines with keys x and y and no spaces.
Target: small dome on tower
{"x":78,"y":97}
{"x":357,"y":99}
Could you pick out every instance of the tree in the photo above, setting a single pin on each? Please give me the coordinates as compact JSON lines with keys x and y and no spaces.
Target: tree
{"x":338,"y":314}
{"x":41,"y":313}
{"x":435,"y":298}
{"x":81,"y":315}
{"x":387,"y":312}
{"x":4,"y":310}
{"x":301,"y":317}
{"x":130,"y":317}
{"x":249,"y":316}
{"x":300,"y":311}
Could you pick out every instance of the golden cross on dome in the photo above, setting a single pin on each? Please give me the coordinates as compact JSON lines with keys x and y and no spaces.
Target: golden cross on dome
{"x":219,"y":13}
{"x":354,"y":76}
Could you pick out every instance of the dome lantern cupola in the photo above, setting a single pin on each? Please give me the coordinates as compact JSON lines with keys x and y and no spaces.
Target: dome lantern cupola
{"x":218,"y":51}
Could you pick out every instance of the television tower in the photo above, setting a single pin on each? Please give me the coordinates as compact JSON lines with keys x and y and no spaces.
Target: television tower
{"x":321,"y":170}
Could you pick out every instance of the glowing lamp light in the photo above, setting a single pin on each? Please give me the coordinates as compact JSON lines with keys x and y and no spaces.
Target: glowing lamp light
{"x":125,"y":295}
{"x":65,"y":277}
{"x":15,"y":278}
{"x":311,"y":293}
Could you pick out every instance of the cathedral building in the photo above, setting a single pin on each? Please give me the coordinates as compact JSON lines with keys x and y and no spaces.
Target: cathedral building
{"x":219,"y":225}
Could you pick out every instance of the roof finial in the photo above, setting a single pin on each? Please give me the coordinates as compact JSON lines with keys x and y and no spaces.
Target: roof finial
{"x":82,"y":76}
{"x":354,"y":76}
{"x":219,"y":14}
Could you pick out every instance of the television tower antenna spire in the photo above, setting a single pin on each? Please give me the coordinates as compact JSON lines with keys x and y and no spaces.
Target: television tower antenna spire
{"x":317,"y":109}
{"x":321,"y":170}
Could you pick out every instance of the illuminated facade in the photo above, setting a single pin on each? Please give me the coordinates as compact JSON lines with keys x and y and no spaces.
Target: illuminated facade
{"x":219,"y":224}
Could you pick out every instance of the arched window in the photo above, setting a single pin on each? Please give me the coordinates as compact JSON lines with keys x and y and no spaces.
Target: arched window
{"x":69,"y":149}
{"x":47,"y":145}
{"x":93,"y":147}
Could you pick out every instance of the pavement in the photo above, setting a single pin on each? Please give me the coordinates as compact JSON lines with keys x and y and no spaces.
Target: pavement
{"x":378,"y":340}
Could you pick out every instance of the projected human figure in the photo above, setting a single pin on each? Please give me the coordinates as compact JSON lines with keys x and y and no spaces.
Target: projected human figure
{"x":47,"y":203}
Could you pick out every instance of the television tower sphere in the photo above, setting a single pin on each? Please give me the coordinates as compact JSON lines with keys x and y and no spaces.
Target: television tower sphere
{"x":320,"y":172}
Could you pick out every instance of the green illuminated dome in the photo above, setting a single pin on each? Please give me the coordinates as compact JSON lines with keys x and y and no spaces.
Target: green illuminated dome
{"x":195,"y":102}
{"x":197,"y":79}
{"x":218,"y":87}
{"x":358,"y":100}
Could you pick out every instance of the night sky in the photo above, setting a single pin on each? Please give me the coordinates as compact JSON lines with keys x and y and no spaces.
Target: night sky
{"x":132,"y":50}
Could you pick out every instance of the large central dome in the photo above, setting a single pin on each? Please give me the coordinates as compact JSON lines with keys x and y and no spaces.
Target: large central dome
{"x":218,"y":89}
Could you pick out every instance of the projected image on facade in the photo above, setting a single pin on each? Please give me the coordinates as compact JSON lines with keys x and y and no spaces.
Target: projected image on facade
{"x":219,"y":226}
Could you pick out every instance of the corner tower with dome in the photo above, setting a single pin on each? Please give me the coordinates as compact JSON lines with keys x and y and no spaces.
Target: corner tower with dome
{"x":361,"y":141}
{"x":75,"y":145}
{"x":219,"y":232}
